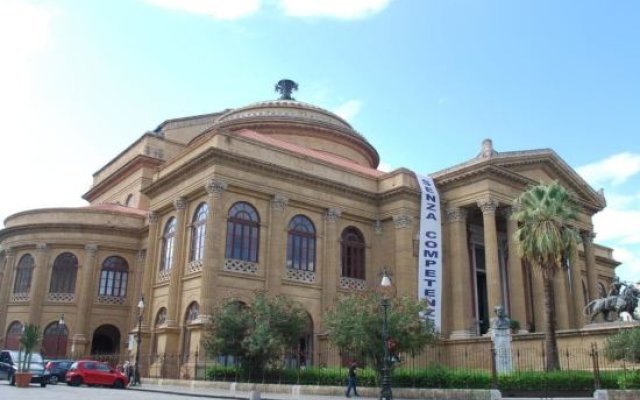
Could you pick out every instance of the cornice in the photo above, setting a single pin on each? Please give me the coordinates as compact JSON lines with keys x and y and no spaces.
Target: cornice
{"x":80,"y":229}
{"x":138,"y":162}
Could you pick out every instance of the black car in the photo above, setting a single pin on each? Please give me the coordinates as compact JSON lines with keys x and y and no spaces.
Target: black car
{"x":9,"y":361}
{"x":57,"y":370}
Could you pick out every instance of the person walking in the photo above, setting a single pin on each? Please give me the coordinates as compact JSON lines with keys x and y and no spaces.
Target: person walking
{"x":351,"y":380}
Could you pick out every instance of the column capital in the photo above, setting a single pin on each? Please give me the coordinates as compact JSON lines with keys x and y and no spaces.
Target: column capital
{"x":180,"y":203}
{"x":152,"y":216}
{"x":279,"y":202}
{"x":377,"y":227}
{"x":402,"y":221}
{"x":456,"y":214}
{"x":488,"y":205}
{"x":215,"y":188}
{"x":142,"y":254}
{"x":588,"y":236}
{"x":11,"y":251}
{"x":333,"y":214}
{"x":91,"y":249}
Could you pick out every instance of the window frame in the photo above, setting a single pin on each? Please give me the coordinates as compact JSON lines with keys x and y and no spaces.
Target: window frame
{"x":301,"y":244}
{"x":198,"y":232}
{"x":243,"y":233}
{"x":114,"y":277}
{"x":352,"y":253}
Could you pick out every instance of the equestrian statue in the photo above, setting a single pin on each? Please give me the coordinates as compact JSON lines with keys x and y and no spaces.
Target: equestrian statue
{"x":622,"y":301}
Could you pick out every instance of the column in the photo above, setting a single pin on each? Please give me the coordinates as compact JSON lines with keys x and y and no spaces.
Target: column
{"x":36,"y":296}
{"x":576,"y":289}
{"x":403,"y":268}
{"x":5,"y":289}
{"x":177,"y":264}
{"x":87,"y":277}
{"x":151,"y":268}
{"x":517,"y":306}
{"x":494,"y":290}
{"x":331,"y":268}
{"x":213,"y":247}
{"x":139,"y":270}
{"x":538,"y":298}
{"x":277,"y":240}
{"x":590,"y":260}
{"x":562,"y":301}
{"x":460,"y":278}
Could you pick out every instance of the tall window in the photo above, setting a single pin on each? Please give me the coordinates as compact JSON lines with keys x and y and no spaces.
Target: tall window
{"x":167,"y":245}
{"x":24,"y":272}
{"x":113,"y":277}
{"x":193,"y":312}
{"x":243,"y":232}
{"x":352,"y":253}
{"x":63,"y":275}
{"x":198,"y":230}
{"x":301,"y":244}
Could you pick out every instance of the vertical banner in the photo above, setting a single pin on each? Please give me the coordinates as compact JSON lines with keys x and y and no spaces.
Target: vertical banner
{"x":430,"y":251}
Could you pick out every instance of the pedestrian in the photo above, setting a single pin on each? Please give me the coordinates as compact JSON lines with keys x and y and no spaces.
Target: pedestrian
{"x":351,"y":380}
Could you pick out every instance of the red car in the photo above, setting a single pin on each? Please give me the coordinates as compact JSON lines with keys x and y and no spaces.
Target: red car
{"x":95,"y":373}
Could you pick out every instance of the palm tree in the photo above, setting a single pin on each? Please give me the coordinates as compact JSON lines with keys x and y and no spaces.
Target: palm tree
{"x":544,"y":214}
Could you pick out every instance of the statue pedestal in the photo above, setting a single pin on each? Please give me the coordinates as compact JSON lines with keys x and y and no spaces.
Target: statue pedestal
{"x":501,"y":338}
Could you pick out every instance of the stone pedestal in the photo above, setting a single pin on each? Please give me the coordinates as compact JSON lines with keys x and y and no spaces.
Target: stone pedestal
{"x":501,"y":338}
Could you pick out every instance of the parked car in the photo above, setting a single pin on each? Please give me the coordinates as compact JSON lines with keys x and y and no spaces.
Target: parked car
{"x":57,"y":370}
{"x":94,"y":373}
{"x":9,"y":364}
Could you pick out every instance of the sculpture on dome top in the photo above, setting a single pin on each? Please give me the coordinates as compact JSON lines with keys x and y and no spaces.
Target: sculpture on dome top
{"x":285,"y":87}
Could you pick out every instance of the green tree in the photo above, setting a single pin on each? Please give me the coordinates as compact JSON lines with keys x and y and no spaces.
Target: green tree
{"x":544,"y":236}
{"x":354,"y":325}
{"x":258,"y":334}
{"x":624,"y":345}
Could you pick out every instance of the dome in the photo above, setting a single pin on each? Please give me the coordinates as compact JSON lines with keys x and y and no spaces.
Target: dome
{"x":297,"y":122}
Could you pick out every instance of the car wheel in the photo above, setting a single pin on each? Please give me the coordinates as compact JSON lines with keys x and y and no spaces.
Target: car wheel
{"x":76,"y":381}
{"x":53,"y":379}
{"x":118,"y":384}
{"x":43,"y":384}
{"x":12,"y":380}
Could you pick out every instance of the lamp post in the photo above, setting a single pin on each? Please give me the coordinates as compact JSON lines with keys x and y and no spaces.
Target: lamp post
{"x":385,"y":392}
{"x":136,"y":373}
{"x":60,"y":332}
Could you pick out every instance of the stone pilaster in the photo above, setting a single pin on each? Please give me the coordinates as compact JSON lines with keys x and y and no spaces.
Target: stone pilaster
{"x":517,"y":306}
{"x":277,"y":239}
{"x":494,"y":288}
{"x":562,"y":301}
{"x":214,"y":246}
{"x":460,"y":279}
{"x":537,"y":285}
{"x":36,"y":296}
{"x":5,"y":288}
{"x":88,"y":275}
{"x":576,"y":289}
{"x":151,"y":267}
{"x":331,"y":268}
{"x":139,"y":269}
{"x":590,"y":259}
{"x":404,"y":264}
{"x":177,"y":264}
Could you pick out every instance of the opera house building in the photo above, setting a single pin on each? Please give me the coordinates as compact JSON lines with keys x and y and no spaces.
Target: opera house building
{"x":286,"y":197}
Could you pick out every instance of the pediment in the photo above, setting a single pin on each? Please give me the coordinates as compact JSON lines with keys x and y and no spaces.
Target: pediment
{"x":521,"y":169}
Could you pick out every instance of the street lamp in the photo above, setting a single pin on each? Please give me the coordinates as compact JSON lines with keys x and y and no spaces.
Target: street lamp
{"x":136,"y":373}
{"x":60,"y":332}
{"x":386,"y":290}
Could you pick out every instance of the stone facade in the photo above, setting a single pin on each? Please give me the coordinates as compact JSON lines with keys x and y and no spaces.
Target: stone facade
{"x":214,"y":207}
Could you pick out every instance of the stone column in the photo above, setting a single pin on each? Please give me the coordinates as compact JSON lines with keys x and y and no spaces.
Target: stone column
{"x":576,"y":290}
{"x":562,"y":301}
{"x":494,"y":289}
{"x":36,"y":297}
{"x":213,"y":248}
{"x":87,"y":279}
{"x":177,"y":264}
{"x":590,"y":258}
{"x":403,"y":268}
{"x":331,"y":270}
{"x":517,"y":306}
{"x":5,"y":289}
{"x":278,"y":243}
{"x":460,"y":278}
{"x":151,"y":268}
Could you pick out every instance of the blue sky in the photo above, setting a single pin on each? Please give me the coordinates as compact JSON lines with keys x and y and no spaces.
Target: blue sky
{"x":425,"y":81}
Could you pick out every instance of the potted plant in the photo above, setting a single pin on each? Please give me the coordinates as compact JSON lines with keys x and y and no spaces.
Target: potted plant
{"x":514,"y":324}
{"x":30,"y":339}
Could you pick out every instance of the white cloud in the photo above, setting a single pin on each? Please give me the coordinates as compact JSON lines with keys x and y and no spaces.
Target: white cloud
{"x":218,"y":9}
{"x":629,"y":270}
{"x":384,"y":167}
{"x":615,"y":169}
{"x":344,"y":9}
{"x":349,"y":109}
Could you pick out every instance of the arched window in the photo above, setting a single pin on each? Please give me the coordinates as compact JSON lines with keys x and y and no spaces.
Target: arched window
{"x":198,"y":230}
{"x":301,"y":244}
{"x":113,"y":277}
{"x":24,"y":272}
{"x":161,"y":317}
{"x":352,"y":253}
{"x":63,"y":275}
{"x":243,"y":232}
{"x":167,"y":245}
{"x":54,"y":340}
{"x":14,"y":333}
{"x":193,"y":312}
